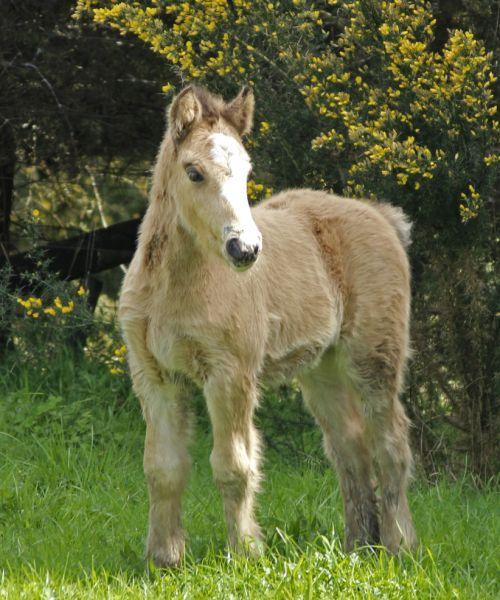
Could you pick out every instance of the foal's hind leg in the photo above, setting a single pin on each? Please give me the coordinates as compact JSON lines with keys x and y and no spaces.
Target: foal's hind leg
{"x":337,"y":410}
{"x":381,"y":374}
{"x":388,"y":425}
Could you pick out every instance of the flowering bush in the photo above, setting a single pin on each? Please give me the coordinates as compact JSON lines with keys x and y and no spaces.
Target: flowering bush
{"x":400,"y":119}
{"x":225,"y":45}
{"x":41,"y":324}
{"x":392,"y":117}
{"x":359,"y":96}
{"x":43,"y":328}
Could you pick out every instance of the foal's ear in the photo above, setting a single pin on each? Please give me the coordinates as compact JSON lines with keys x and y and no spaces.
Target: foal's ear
{"x":240,"y":110}
{"x":183,"y":113}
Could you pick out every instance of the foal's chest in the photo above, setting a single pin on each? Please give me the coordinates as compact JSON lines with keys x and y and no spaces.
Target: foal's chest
{"x":178,"y":350}
{"x":181,"y":320}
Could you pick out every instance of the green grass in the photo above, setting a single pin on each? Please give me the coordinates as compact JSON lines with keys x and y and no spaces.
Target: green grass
{"x":73,"y":513}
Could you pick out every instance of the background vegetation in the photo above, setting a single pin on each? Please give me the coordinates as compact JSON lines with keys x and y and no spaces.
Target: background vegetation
{"x":361,"y":97}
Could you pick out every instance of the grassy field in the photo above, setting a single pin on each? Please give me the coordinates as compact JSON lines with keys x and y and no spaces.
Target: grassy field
{"x":73,"y":511}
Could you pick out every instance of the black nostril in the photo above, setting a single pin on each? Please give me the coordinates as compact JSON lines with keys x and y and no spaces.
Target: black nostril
{"x":234,"y":249}
{"x":240,"y":252}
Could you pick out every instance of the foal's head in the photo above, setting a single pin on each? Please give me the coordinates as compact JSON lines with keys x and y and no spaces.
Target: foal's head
{"x":209,"y":170}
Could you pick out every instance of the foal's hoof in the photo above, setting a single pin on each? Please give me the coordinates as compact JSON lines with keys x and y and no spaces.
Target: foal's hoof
{"x":251,"y":547}
{"x":255,"y":548}
{"x":168,"y":556}
{"x":399,"y":538}
{"x":163,"y":560}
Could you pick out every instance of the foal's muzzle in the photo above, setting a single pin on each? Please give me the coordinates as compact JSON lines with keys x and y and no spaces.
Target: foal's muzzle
{"x":242,"y":254}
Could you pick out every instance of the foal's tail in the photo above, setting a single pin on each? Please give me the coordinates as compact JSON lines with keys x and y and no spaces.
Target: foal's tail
{"x":398,"y":220}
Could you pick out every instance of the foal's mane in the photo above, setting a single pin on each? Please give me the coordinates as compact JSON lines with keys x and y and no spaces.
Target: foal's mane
{"x":214,"y":107}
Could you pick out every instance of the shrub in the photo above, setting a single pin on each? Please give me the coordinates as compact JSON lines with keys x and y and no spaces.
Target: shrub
{"x":50,"y":319}
{"x":357,"y":96}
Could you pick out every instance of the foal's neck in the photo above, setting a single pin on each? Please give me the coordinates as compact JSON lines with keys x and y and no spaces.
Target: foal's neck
{"x":164,"y":235}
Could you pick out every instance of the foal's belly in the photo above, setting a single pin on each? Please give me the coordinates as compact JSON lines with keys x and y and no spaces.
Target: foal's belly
{"x":185,"y":355}
{"x":278,"y":370}
{"x":297,"y":342}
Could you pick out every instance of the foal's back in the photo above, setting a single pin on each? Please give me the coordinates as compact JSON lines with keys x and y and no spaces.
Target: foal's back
{"x":354,"y":249}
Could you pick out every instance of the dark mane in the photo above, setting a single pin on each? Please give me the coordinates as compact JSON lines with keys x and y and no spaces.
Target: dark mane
{"x":214,"y":107}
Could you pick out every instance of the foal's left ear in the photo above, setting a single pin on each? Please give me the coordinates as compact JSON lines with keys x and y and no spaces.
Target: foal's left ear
{"x":240,"y":110}
{"x":183,"y":113}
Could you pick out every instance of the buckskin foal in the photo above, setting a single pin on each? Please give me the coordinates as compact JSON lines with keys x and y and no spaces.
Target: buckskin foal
{"x":305,"y":285}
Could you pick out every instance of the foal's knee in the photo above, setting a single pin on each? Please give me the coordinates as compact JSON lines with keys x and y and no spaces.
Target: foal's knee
{"x":231,"y":470}
{"x":166,"y":477}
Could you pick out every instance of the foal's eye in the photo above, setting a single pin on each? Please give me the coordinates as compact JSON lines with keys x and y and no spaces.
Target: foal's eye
{"x":194,"y":174}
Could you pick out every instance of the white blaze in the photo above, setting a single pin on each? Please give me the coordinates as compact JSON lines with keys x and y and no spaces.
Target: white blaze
{"x":230,"y":154}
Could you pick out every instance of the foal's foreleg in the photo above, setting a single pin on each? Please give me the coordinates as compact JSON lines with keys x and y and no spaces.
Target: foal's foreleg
{"x":166,"y":457}
{"x":231,"y":402}
{"x":166,"y":465}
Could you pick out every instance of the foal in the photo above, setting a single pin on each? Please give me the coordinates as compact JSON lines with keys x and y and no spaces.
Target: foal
{"x":306,"y":285}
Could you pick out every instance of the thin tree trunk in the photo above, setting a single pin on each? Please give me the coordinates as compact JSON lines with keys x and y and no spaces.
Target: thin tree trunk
{"x":7,"y":166}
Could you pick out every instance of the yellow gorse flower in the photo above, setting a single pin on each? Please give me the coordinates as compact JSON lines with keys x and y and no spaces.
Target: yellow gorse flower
{"x":119,"y":354}
{"x":121,"y":351}
{"x":264,"y":127}
{"x":117,"y":359}
{"x":24,"y":303}
{"x":32,"y":303}
{"x":68,"y":308}
{"x":257,"y":191}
